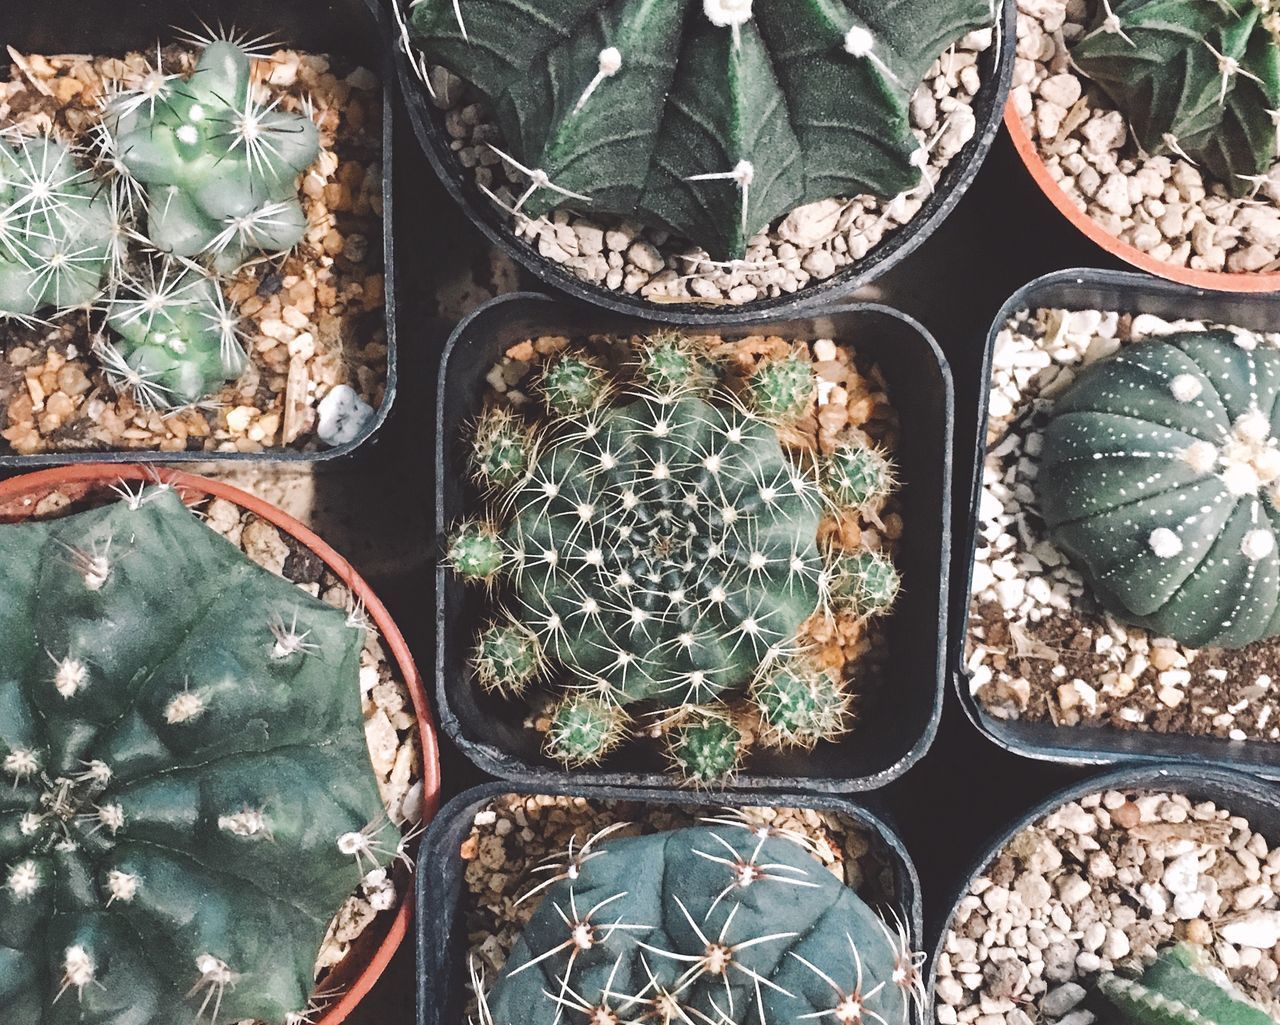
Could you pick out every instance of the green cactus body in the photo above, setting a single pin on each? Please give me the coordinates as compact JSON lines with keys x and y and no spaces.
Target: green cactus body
{"x":867,"y":582}
{"x":186,"y":795}
{"x":584,"y":730}
{"x":707,"y":924}
{"x":1176,"y":991}
{"x":777,"y":103}
{"x":507,"y":658}
{"x":1159,"y":478}
{"x":1199,"y":78}
{"x":57,"y":230}
{"x":572,"y":384}
{"x":476,"y":552}
{"x":801,"y":705}
{"x":706,"y":747}
{"x":858,"y":475}
{"x":219,"y":167}
{"x":783,"y":388}
{"x":501,"y":450}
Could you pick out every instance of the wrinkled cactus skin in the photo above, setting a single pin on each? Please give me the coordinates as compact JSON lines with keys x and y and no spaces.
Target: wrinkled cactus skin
{"x":1175,"y":991}
{"x":176,"y":773}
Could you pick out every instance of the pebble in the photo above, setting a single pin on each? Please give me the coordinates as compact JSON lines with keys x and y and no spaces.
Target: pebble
{"x":343,"y":415}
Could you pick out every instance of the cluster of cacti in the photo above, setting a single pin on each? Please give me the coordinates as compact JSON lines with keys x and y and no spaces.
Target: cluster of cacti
{"x":1198,"y":79}
{"x":653,"y":545}
{"x":1159,"y":477}
{"x":185,"y":790}
{"x":776,"y":103}
{"x":1177,"y":990}
{"x":715,"y":924}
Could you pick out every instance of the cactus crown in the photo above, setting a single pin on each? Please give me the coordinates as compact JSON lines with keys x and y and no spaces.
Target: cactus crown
{"x":1194,"y":78}
{"x":707,"y":924}
{"x":180,"y":731}
{"x":777,"y":102}
{"x":1176,"y":990}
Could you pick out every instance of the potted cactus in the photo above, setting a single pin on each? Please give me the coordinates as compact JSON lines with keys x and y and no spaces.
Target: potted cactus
{"x":799,"y":149}
{"x":213,"y":746}
{"x":184,"y":264}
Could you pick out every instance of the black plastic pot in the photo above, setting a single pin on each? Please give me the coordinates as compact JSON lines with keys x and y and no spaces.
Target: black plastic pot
{"x":988,"y":107}
{"x":442,"y":939}
{"x":1242,"y":795}
{"x":1096,"y":745}
{"x":489,"y":730}
{"x":353,"y":29}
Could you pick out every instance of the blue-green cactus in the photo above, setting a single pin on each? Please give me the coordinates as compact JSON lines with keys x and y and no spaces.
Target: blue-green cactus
{"x":1176,"y":990}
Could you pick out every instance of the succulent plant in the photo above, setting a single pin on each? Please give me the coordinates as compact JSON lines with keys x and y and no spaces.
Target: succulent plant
{"x":777,"y":103}
{"x":710,"y":924}
{"x":1193,"y":78}
{"x":58,"y":230}
{"x":1177,"y":990}
{"x":1159,"y":477}
{"x":219,"y":167}
{"x":658,"y":549}
{"x":187,"y":798}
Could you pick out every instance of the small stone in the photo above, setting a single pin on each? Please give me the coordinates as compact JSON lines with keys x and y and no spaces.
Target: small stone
{"x":342,"y":416}
{"x":1258,"y":929}
{"x":1062,"y":1000}
{"x":1072,"y":889}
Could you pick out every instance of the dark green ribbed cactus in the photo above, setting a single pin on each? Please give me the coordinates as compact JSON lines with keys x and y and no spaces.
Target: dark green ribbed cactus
{"x":187,"y":797}
{"x":709,"y":925}
{"x":658,"y":551}
{"x":1160,"y":476}
{"x":1176,"y":990}
{"x":1194,"y":78}
{"x":776,"y":103}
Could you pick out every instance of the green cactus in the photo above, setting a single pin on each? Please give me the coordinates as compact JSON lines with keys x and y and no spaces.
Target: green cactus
{"x":572,"y":384}
{"x":859,"y":474}
{"x":1194,"y":78}
{"x":501,"y":450}
{"x":1159,"y":477}
{"x":782,"y":388}
{"x":1176,"y":990}
{"x":219,"y":167}
{"x":475,"y":552}
{"x":777,"y":103}
{"x":584,"y":730}
{"x":867,"y":582}
{"x":706,"y":747}
{"x":801,"y":705}
{"x":180,"y":736}
{"x":668,"y":365}
{"x":508,"y":658}
{"x":705,"y":924}
{"x":58,"y":230}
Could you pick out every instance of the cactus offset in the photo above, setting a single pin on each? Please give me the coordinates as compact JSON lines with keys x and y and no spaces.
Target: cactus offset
{"x":777,"y":103}
{"x":1159,"y":477}
{"x":1194,"y":78}
{"x":1176,"y":990}
{"x":706,"y":747}
{"x":187,"y":798}
{"x":706,"y":924}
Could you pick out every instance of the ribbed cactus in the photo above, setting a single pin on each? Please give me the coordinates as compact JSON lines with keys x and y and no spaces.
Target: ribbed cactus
{"x":776,"y":103}
{"x":709,"y":924}
{"x":1175,"y":990}
{"x":1160,"y":475}
{"x":657,"y":550}
{"x":1194,"y":78}
{"x":187,"y":797}
{"x":219,"y":166}
{"x":58,"y":230}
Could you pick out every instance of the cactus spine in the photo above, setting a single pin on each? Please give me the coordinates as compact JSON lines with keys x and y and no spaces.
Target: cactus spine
{"x":1176,"y":990}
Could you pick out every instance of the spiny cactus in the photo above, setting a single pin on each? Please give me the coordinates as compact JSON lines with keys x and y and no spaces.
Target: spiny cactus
{"x":219,"y":167}
{"x":1176,"y":990}
{"x":867,"y":581}
{"x":782,"y":388}
{"x":706,"y":747}
{"x":1159,"y":477}
{"x":706,"y":924}
{"x":859,"y":474}
{"x":777,"y":103}
{"x":800,"y":705}
{"x":187,"y":798}
{"x":1194,"y":78}
{"x":659,"y":544}
{"x":58,"y":230}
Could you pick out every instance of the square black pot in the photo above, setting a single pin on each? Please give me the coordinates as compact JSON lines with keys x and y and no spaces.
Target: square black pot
{"x":442,"y":942}
{"x":490,"y":731}
{"x":353,"y":29}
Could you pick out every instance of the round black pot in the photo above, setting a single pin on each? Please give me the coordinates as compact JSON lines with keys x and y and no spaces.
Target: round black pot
{"x":1100,"y":745}
{"x":988,"y":107}
{"x":442,"y":937}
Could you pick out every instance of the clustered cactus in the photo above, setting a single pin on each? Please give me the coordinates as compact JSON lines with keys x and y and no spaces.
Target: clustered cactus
{"x":1198,"y":79}
{"x":776,"y":103}
{"x":1159,"y":477}
{"x":187,"y":798}
{"x":652,"y":546}
{"x":1177,"y":990}
{"x":722,"y":923}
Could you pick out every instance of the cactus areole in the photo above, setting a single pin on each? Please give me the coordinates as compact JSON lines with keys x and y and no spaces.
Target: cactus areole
{"x":713,"y":118}
{"x":187,"y":797}
{"x":1160,"y":477}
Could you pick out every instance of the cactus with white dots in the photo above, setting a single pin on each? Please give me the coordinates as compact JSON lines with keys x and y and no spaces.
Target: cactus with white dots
{"x":1177,"y":990}
{"x":185,"y":790}
{"x":658,"y":553}
{"x":1198,"y":79}
{"x":1160,"y":478}
{"x":777,"y":103}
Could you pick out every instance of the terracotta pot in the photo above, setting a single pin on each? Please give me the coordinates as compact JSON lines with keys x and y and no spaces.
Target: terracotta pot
{"x":1218,"y":281}
{"x":19,"y":497}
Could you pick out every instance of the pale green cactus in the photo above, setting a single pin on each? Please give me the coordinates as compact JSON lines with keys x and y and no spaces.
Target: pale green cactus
{"x":1177,"y":990}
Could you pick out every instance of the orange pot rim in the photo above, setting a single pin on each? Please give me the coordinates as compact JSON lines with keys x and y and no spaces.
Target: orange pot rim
{"x":1214,"y":281}
{"x":91,"y":473}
